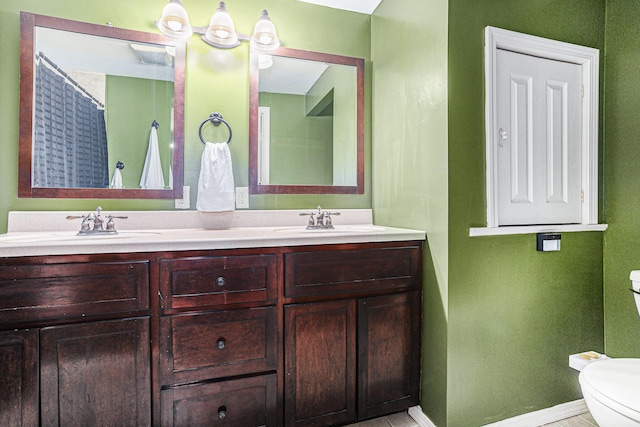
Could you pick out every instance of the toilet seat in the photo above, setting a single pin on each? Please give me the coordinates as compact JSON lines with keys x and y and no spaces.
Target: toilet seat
{"x":615,"y":383}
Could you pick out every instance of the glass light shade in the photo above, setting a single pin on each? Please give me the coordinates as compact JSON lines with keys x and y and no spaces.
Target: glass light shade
{"x":175,"y":21}
{"x":221,"y":31}
{"x":264,"y":34}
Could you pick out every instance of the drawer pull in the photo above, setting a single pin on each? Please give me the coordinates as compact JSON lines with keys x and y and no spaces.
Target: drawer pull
{"x":221,"y":344}
{"x":221,"y":281}
{"x":222,"y":413}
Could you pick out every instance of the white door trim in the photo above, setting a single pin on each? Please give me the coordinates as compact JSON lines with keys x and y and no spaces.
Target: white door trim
{"x":588,"y":59}
{"x":264,"y":145}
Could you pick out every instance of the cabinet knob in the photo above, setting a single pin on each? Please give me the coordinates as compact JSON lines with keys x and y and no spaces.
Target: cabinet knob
{"x":221,"y":281}
{"x":222,"y":413}
{"x":221,"y":344}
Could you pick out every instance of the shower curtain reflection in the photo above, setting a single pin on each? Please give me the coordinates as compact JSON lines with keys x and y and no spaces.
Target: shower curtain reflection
{"x":70,"y":140}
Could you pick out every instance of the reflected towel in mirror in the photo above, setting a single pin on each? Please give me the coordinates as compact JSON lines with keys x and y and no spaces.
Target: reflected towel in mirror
{"x":116,"y":181}
{"x":152,"y":176}
{"x":216,"y":191}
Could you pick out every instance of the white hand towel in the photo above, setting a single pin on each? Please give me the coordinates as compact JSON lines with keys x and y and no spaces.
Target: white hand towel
{"x":116,"y":181}
{"x":216,"y":191}
{"x":152,"y":176}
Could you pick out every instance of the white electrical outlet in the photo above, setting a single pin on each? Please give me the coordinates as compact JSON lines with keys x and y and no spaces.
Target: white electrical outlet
{"x":242,"y":197}
{"x":184,"y":203}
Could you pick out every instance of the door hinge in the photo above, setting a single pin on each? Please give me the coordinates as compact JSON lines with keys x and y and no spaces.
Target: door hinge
{"x":581,"y":196}
{"x":582,"y":91}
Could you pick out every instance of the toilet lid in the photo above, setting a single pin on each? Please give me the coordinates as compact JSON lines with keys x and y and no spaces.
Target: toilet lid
{"x":616,"y":380}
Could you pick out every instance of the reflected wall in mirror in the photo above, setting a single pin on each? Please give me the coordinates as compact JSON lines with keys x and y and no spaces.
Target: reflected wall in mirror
{"x":306,"y":123}
{"x":96,"y":98}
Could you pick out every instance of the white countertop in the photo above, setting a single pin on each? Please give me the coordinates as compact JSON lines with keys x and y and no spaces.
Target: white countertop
{"x":188,"y":230}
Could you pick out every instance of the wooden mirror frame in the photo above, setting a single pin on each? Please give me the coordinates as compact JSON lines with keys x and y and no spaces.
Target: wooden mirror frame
{"x":28,"y":23}
{"x":254,"y":186}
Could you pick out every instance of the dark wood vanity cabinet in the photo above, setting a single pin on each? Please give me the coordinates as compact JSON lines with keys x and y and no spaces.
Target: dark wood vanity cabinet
{"x":388,"y":353}
{"x":352,"y":333}
{"x":75,"y":346}
{"x":96,"y":373}
{"x":219,"y":339}
{"x":320,"y":363}
{"x":303,"y":335}
{"x":19,"y":390}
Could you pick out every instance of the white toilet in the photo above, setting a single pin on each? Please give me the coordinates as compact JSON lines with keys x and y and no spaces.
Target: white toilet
{"x":611,"y":387}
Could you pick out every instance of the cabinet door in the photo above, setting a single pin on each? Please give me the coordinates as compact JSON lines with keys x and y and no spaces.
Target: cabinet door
{"x":320,"y":368}
{"x":19,"y":390}
{"x":388,"y":353}
{"x":96,"y":374}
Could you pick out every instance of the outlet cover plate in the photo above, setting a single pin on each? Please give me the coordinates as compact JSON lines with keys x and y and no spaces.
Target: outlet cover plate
{"x":242,"y":197}
{"x":183,"y":203}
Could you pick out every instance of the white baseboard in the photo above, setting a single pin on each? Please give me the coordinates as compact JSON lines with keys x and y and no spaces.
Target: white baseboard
{"x":531,"y":419}
{"x":544,"y":416}
{"x":416,"y":413}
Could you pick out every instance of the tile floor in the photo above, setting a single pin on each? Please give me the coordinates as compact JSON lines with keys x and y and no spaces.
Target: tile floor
{"x":402,"y":419}
{"x":583,"y":420}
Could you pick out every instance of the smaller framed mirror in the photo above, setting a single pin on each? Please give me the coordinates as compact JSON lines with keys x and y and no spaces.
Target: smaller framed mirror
{"x":101,"y":111}
{"x":306,"y":123}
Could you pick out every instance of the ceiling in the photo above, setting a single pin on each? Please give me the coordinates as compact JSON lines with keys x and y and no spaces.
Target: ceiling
{"x":362,"y":6}
{"x":290,"y":76}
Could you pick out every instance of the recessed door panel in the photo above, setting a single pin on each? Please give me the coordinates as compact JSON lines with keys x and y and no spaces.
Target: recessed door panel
{"x":539,"y":153}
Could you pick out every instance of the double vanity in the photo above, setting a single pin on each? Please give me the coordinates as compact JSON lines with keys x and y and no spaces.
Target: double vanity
{"x":182,"y":318}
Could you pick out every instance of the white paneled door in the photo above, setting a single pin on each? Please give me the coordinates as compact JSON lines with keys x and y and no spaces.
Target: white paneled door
{"x":539,"y":149}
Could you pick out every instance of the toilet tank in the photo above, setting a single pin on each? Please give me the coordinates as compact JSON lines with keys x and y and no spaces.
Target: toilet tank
{"x":635,"y":287}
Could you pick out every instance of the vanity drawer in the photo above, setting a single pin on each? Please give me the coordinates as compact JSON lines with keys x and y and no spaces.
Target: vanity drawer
{"x":218,"y":344}
{"x":58,"y":291}
{"x":206,"y":281}
{"x":323,"y":273}
{"x":246,"y":402}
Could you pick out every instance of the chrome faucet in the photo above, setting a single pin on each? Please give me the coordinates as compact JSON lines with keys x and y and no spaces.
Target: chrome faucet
{"x":321,"y":220}
{"x":93,"y":223}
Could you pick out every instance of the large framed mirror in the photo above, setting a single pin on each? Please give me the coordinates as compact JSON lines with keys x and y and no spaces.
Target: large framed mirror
{"x":101,"y":111}
{"x":306,"y":123}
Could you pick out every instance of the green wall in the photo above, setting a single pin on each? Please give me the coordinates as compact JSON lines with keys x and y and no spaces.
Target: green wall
{"x":515,"y":315}
{"x":301,"y":146}
{"x":410,"y":166}
{"x":622,"y":153}
{"x":216,"y":80}
{"x":500,"y":319}
{"x":338,"y":83}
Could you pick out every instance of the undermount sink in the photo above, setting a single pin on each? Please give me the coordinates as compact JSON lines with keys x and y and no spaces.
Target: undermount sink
{"x":69,"y":236}
{"x":356,"y":228}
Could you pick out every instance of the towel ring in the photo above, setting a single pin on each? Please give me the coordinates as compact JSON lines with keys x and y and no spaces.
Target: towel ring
{"x":215,"y":119}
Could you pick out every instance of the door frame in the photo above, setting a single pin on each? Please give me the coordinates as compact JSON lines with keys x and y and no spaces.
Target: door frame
{"x":589,"y":59}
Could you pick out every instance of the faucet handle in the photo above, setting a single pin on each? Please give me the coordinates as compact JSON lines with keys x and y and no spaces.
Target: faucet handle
{"x":111,"y":225}
{"x":312,"y":220}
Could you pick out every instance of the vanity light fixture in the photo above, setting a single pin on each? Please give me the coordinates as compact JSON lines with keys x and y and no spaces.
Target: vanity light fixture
{"x":175,"y":21}
{"x":221,"y":32}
